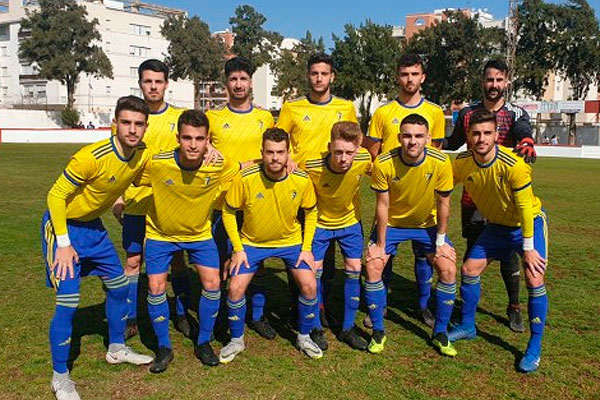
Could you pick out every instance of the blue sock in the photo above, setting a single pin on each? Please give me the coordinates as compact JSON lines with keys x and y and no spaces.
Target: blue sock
{"x":308,"y":311}
{"x":132,"y":297}
{"x":470,"y":290}
{"x":236,"y":314}
{"x":537,"y":309}
{"x":116,"y":308}
{"x":351,"y":298}
{"x":208,"y":309}
{"x":320,"y":294}
{"x":445,"y":293}
{"x":158,"y":310}
{"x":181,"y":289}
{"x":60,"y":330}
{"x":375,"y":294}
{"x":258,"y":296}
{"x":424,"y":276}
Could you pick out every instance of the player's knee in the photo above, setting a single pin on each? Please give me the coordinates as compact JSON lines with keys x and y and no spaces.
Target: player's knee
{"x":353,"y":265}
{"x":211,"y":282}
{"x":236,"y":290}
{"x":308,"y":287}
{"x":156,"y":286}
{"x":374,"y":270}
{"x":533,"y":281}
{"x":470,"y":269}
{"x":447,"y":271}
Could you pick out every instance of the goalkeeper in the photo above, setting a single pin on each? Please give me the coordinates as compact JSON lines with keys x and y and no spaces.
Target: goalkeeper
{"x":514,"y":131}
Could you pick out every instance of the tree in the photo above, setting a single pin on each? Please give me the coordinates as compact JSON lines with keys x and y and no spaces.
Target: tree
{"x":578,"y":45}
{"x":290,"y":66}
{"x":61,"y":41}
{"x":536,"y":47}
{"x":455,"y":51}
{"x":252,"y":41}
{"x":194,"y":53}
{"x":365,"y":64}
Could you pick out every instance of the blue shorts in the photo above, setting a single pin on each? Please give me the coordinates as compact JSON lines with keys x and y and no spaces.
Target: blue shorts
{"x":350,"y":238}
{"x":423,"y":239}
{"x":97,"y":254}
{"x":256,"y":255}
{"x":134,"y":231}
{"x":159,"y":254}
{"x":497,"y":242}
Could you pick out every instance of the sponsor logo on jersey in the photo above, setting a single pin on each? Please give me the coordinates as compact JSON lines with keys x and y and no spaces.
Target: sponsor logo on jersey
{"x":470,"y":179}
{"x":294,"y":194}
{"x":326,"y":184}
{"x":395,"y":121}
{"x":306,"y":118}
{"x":260,"y":195}
{"x":169,"y":182}
{"x":226,"y":125}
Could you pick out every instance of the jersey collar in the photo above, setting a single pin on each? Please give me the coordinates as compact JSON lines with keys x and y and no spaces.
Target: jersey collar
{"x":262,"y":170}
{"x":165,"y":108}
{"x":412,"y":165}
{"x":241,"y":112}
{"x":328,"y":160}
{"x":176,"y":157}
{"x":487,"y":165}
{"x":321,"y":103}
{"x":119,"y":156}
{"x":407,"y":106}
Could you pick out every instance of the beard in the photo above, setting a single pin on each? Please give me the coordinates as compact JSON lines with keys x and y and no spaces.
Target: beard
{"x":493,"y":94}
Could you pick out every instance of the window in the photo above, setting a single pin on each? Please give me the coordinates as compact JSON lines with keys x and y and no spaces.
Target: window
{"x":4,"y":71}
{"x":135,"y":91}
{"x":4,"y":33}
{"x":139,"y":30}
{"x":133,"y":72}
{"x":138,"y":51}
{"x":419,"y":22}
{"x":3,"y":51}
{"x":41,"y":91}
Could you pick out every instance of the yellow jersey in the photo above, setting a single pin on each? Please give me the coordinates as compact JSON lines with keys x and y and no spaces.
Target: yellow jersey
{"x":385,"y":123}
{"x":238,"y":134}
{"x":270,"y":208}
{"x":500,"y":188}
{"x":161,"y":135}
{"x":309,"y":124}
{"x":183,"y":198}
{"x":94,"y":178}
{"x":338,"y":197}
{"x":412,"y":188}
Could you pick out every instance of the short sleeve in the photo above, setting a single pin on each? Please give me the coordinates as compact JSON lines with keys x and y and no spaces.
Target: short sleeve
{"x":379,"y":181}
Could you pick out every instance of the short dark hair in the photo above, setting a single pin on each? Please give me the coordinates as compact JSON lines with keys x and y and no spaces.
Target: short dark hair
{"x":408,"y":60}
{"x":276,"y":135}
{"x":415,"y":119}
{"x":131,"y":103}
{"x":320,"y":58}
{"x":195,"y":118}
{"x":498,"y":64}
{"x":236,"y":64}
{"x":481,"y":115}
{"x":153,"y":65}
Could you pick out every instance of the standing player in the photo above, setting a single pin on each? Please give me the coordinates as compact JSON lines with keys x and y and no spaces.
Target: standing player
{"x":75,"y":243}
{"x":185,"y":188}
{"x":514,"y":130}
{"x":268,"y":189}
{"x":413,"y":184}
{"x":161,"y":135}
{"x":236,"y":131}
{"x":336,"y":178}
{"x":500,"y":185}
{"x":383,"y":137}
{"x":308,"y":120}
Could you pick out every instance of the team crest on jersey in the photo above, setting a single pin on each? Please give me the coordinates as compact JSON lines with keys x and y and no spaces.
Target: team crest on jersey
{"x":226,"y":125}
{"x":428,"y":176}
{"x":169,"y":182}
{"x":306,"y":118}
{"x":500,"y":179}
{"x":207,"y":180}
{"x":294,"y":194}
{"x":260,"y":196}
{"x":395,"y":121}
{"x":396,"y":179}
{"x":261,"y":124}
{"x":172,"y":126}
{"x":339,"y":115}
{"x":470,"y":179}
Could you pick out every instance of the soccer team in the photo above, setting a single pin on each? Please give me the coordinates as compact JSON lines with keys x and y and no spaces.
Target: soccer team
{"x":230,"y":189}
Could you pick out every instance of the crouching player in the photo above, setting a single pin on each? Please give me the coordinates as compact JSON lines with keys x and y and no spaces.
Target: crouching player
{"x":336,"y":178}
{"x":500,"y":184}
{"x":75,"y":243}
{"x":413,"y":183}
{"x":262,"y":191}
{"x":185,"y":187}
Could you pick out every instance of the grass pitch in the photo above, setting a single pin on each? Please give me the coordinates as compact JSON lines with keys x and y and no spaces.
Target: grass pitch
{"x":408,"y":368}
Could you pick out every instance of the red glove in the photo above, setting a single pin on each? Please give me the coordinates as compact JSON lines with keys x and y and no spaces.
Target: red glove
{"x":526,"y":150}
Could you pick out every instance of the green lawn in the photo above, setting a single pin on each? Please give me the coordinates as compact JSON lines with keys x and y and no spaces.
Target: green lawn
{"x":409,"y":367}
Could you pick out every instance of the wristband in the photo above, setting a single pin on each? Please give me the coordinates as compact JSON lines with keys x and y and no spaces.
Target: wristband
{"x":63,"y":240}
{"x":440,"y":239}
{"x":528,"y":243}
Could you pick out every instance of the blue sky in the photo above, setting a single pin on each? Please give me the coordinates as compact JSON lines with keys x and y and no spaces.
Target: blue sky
{"x":292,"y":19}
